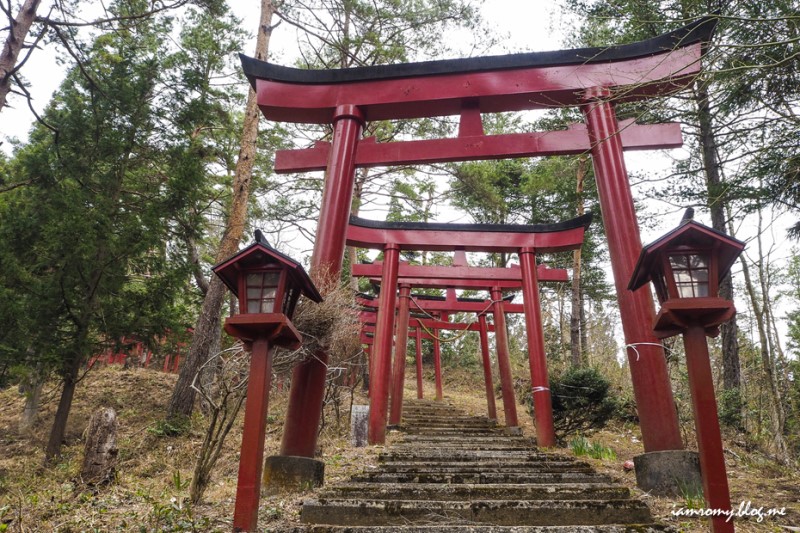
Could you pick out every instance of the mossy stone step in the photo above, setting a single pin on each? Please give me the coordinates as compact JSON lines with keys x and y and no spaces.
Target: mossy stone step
{"x":470,"y":491}
{"x":495,"y":512}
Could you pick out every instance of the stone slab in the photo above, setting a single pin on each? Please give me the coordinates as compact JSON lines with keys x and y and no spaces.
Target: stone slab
{"x":669,"y":473}
{"x":287,"y":473}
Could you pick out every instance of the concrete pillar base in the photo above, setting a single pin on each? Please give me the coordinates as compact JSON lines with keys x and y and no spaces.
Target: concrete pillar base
{"x":669,"y":473}
{"x":294,"y":474}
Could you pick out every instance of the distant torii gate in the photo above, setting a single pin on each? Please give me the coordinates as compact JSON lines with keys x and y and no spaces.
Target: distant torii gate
{"x":589,"y":78}
{"x":443,"y":305}
{"x":423,"y":327}
{"x":525,"y":240}
{"x":462,"y":276}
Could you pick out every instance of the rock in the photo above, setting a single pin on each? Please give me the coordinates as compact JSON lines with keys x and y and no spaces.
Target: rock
{"x":100,"y":455}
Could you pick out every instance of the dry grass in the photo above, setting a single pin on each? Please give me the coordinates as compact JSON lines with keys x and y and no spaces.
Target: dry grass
{"x":151,"y":489}
{"x":331,"y":325}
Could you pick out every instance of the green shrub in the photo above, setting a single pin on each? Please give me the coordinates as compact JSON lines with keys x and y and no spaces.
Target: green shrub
{"x":581,"y":401}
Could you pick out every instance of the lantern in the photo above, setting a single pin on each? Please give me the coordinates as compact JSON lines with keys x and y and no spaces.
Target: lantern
{"x":686,"y":266}
{"x":268,"y":285}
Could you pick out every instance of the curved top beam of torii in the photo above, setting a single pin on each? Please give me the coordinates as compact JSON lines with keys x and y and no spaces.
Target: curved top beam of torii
{"x":514,"y":82}
{"x":492,"y":238}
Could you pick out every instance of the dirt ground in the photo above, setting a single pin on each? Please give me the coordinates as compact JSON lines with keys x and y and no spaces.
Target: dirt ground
{"x":150,"y":492}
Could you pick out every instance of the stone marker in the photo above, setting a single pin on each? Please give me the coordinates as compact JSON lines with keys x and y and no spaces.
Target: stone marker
{"x":359,"y":418}
{"x":100,"y":455}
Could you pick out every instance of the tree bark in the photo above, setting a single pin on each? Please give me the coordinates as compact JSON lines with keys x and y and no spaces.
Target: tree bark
{"x":207,"y":328}
{"x":13,"y":45}
{"x":59,"y":428}
{"x":33,"y":395}
{"x":731,"y":373}
{"x":576,"y":347}
{"x":100,"y":454}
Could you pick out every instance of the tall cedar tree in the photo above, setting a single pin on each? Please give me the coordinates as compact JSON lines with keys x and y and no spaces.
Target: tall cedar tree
{"x":87,"y":240}
{"x":207,"y":327}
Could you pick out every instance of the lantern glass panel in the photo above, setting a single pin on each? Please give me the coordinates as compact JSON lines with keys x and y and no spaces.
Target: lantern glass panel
{"x":691,"y":274}
{"x":261,"y":288}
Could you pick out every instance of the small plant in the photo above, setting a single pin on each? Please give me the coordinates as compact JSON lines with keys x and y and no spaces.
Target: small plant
{"x":170,"y":428}
{"x":581,"y":446}
{"x":692,"y":495}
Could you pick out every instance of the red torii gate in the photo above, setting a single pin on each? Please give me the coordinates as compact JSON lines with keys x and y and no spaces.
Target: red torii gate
{"x":462,"y":276}
{"x":590,"y":78}
{"x":443,"y":305}
{"x":526,"y":240}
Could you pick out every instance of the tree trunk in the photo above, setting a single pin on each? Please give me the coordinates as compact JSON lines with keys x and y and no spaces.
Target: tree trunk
{"x":13,"y":45}
{"x":777,"y":414}
{"x":59,"y":428}
{"x":33,"y":395}
{"x":207,"y":328}
{"x":731,"y":373}
{"x":100,"y":455}
{"x":575,"y":318}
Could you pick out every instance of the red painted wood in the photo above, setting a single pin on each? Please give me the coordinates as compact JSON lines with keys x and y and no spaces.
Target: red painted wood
{"x":709,"y":439}
{"x":503,"y":359}
{"x":572,"y":141}
{"x":487,"y":367}
{"x":460,"y":307}
{"x":418,"y":355}
{"x":471,"y":241}
{"x":399,"y":367}
{"x":251,"y":459}
{"x":537,"y":359}
{"x":654,"y":401}
{"x":500,"y":91}
{"x":462,"y":274}
{"x":308,"y":378}
{"x":369,"y":319}
{"x":379,"y":400}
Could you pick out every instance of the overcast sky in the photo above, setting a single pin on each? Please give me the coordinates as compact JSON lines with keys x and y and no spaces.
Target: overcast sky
{"x":526,"y":23}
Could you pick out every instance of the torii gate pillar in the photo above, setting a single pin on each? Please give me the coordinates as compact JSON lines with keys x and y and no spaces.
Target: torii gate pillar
{"x":299,"y":442}
{"x":654,"y":401}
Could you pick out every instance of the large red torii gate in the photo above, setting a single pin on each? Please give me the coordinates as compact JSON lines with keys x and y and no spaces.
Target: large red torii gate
{"x":590,"y":78}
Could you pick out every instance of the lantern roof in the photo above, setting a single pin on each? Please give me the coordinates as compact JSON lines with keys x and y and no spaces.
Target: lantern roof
{"x":688,"y":234}
{"x":259,"y":254}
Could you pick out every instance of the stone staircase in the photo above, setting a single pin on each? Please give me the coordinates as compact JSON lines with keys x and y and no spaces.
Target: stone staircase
{"x":454,"y":472}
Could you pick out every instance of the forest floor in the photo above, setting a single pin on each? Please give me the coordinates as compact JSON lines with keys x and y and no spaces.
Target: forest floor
{"x":150,"y":492}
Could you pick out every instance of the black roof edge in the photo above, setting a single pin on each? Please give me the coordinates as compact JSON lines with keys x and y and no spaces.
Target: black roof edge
{"x":581,"y":221}
{"x":700,"y":30}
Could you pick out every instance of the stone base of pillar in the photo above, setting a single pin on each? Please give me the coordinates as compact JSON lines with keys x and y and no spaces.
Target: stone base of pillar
{"x":294,"y":474}
{"x":669,"y":473}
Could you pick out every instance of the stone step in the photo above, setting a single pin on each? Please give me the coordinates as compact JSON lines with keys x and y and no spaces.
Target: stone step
{"x":493,"y":467}
{"x":470,"y":528}
{"x":441,"y":431}
{"x":482,"y":477}
{"x":457,"y":455}
{"x":470,"y":491}
{"x":465,"y":443}
{"x":440,"y":447}
{"x":444,"y":423}
{"x":495,"y":512}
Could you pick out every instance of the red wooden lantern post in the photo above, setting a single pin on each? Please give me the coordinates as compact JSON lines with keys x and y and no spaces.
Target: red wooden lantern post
{"x":268,"y":285}
{"x":685,"y":266}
